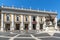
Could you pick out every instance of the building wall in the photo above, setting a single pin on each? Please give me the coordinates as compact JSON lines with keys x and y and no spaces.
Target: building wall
{"x":0,"y":18}
{"x":22,"y":17}
{"x":10,"y":17}
{"x":4,"y":17}
{"x":15,"y":17}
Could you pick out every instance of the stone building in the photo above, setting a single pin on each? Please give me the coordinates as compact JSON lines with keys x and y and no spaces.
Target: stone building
{"x":26,"y":19}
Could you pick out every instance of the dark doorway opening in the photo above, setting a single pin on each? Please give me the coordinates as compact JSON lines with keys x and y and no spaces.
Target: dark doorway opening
{"x":7,"y":27}
{"x":34,"y":26}
{"x":17,"y":26}
{"x":26,"y":27}
{"x":41,"y":26}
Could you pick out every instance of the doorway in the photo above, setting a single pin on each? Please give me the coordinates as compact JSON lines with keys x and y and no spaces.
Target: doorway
{"x":17,"y":26}
{"x":41,"y":26}
{"x":26,"y":27}
{"x":34,"y":26}
{"x":7,"y":27}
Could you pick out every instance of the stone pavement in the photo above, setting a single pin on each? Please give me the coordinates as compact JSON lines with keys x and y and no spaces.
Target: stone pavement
{"x":27,"y":36}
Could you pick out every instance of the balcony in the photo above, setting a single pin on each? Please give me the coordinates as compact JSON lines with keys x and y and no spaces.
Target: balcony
{"x":17,"y":22}
{"x":7,"y":21}
{"x":41,"y":22}
{"x":26,"y":22}
{"x":34,"y":22}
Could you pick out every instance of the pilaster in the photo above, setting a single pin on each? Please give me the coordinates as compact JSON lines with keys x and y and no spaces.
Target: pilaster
{"x":44,"y":24}
{"x":37,"y":25}
{"x":12,"y":24}
{"x":22,"y":24}
{"x":2,"y":23}
{"x":30,"y":24}
{"x":55,"y":22}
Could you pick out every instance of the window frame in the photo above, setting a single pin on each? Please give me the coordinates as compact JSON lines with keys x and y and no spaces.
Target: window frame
{"x":18,"y":18}
{"x":26,"y":18}
{"x":7,"y":17}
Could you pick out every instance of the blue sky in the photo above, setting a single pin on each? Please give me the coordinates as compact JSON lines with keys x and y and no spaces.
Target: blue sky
{"x":53,"y":5}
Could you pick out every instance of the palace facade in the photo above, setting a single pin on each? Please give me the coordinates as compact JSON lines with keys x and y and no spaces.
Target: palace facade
{"x":26,"y":19}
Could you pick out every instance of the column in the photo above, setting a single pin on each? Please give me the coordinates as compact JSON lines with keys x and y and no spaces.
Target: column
{"x":37,"y":25}
{"x":55,"y":22}
{"x":2,"y":22}
{"x":30,"y":24}
{"x":12,"y":24}
{"x":44,"y":23}
{"x":22,"y":24}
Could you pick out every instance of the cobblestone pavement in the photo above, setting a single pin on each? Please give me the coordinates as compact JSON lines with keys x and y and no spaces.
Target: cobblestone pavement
{"x":26,"y":36}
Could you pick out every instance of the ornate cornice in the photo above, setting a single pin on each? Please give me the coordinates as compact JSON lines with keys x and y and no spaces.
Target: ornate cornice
{"x":15,"y":10}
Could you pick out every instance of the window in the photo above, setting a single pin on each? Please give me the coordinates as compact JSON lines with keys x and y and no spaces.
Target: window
{"x":17,"y":18}
{"x":41,"y":19}
{"x":8,"y":17}
{"x":26,"y":18}
{"x":34,"y":26}
{"x":33,"y":18}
